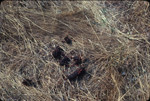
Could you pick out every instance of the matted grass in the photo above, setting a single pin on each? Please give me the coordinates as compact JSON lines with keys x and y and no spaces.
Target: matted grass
{"x":113,"y":35}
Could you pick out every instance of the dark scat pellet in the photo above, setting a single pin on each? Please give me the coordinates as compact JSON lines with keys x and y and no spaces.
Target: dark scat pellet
{"x":77,"y":73}
{"x":65,"y":61}
{"x":28,"y":82}
{"x":58,"y":52}
{"x":77,"y":60}
{"x":68,"y":40}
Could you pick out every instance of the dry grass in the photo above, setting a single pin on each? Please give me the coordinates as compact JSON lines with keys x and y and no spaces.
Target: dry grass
{"x":114,"y":36}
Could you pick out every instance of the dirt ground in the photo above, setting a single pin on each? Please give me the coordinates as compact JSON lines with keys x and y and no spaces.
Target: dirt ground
{"x":112,"y":38}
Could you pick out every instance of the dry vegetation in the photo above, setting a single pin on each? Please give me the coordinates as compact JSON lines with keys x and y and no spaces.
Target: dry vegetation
{"x":113,"y":35}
